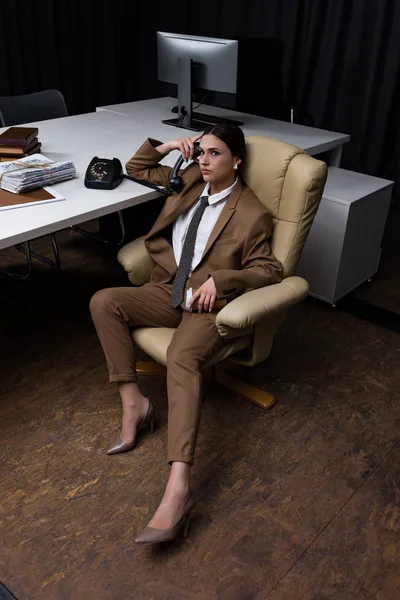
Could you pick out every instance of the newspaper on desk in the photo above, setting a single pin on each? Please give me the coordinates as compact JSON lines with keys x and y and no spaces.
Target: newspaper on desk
{"x":31,"y":172}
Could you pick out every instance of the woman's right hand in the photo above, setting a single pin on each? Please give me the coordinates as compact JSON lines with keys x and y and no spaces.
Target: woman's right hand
{"x":185,"y":146}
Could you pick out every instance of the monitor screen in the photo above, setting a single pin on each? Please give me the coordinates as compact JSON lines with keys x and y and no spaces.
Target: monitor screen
{"x":214,"y":60}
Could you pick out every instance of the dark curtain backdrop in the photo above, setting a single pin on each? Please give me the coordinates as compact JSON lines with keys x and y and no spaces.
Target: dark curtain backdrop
{"x":341,"y":61}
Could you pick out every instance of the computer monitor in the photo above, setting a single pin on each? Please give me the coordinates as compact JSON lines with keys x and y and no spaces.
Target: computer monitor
{"x":193,"y":62}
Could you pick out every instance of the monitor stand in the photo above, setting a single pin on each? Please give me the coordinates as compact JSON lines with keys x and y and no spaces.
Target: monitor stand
{"x":186,"y":68}
{"x":185,"y":86}
{"x":195,"y":125}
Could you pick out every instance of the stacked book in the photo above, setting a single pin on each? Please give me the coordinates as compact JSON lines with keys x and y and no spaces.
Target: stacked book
{"x":17,"y":142}
{"x":33,"y":172}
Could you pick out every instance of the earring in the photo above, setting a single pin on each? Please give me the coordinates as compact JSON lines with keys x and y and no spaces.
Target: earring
{"x":235,"y":167}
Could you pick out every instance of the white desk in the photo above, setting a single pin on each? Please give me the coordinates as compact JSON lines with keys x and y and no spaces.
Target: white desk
{"x":314,"y":141}
{"x":119,"y":131}
{"x":79,"y":138}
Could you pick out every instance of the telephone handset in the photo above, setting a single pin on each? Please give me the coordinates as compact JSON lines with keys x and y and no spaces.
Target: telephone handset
{"x":175,"y":182}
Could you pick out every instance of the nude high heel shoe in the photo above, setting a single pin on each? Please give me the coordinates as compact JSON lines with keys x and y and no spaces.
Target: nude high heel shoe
{"x":118,"y":446}
{"x":151,"y":535}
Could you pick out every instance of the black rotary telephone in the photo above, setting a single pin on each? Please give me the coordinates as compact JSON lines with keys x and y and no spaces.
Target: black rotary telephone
{"x":107,"y":174}
{"x":103,"y":173}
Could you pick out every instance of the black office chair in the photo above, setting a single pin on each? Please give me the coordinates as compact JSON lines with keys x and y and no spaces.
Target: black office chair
{"x":39,"y":106}
{"x":27,"y":108}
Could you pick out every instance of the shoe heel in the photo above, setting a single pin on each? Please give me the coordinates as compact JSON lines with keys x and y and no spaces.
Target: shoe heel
{"x":148,"y":420}
{"x":186,"y":528}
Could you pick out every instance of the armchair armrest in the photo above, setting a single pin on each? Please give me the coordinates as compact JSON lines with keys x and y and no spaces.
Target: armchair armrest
{"x":136,"y":261}
{"x":247,"y":310}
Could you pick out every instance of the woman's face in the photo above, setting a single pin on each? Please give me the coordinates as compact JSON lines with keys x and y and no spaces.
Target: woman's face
{"x":216,"y":160}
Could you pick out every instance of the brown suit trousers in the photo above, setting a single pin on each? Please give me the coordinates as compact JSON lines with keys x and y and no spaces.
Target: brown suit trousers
{"x":116,"y":310}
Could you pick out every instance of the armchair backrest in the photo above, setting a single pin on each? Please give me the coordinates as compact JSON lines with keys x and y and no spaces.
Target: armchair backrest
{"x":289,"y":183}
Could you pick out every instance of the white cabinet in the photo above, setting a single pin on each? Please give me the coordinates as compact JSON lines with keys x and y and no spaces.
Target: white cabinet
{"x":343,"y":247}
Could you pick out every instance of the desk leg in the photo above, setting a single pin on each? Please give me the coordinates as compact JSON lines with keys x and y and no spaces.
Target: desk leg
{"x":98,"y":237}
{"x":26,"y":249}
{"x":31,"y":254}
{"x":336,"y":157}
{"x":28,"y":271}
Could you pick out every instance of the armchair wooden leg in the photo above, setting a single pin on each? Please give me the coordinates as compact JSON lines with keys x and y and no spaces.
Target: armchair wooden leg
{"x":149,"y":367}
{"x":255,"y":395}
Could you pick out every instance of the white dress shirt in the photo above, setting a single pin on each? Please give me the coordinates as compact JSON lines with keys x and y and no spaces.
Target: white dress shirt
{"x":208,"y":220}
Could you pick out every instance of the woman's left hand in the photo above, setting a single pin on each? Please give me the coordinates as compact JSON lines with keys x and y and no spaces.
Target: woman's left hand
{"x":206,"y":295}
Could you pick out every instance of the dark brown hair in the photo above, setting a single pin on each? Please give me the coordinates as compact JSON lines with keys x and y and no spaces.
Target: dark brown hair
{"x":232,"y":136}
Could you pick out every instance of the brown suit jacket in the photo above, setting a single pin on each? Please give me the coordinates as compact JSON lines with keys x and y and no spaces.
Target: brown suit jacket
{"x":237,"y":255}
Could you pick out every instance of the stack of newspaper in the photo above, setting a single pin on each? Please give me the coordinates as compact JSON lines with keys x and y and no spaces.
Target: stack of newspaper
{"x":32,"y":172}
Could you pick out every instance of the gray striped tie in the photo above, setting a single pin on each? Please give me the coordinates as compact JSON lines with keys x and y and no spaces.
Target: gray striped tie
{"x":185,"y":262}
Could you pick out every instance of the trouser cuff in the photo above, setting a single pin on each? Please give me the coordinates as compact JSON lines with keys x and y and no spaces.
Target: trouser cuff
{"x":124,"y":378}
{"x":185,"y":459}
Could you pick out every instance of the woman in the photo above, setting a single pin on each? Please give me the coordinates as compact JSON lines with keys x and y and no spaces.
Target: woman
{"x":213,"y":238}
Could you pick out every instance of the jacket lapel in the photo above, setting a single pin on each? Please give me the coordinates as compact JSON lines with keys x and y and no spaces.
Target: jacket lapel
{"x":178,"y":207}
{"x":224,"y":217}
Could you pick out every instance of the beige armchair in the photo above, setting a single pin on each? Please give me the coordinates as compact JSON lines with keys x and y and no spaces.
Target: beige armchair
{"x":290,"y":184}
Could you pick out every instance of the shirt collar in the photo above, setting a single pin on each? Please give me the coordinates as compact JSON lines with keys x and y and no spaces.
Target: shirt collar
{"x":220,"y":195}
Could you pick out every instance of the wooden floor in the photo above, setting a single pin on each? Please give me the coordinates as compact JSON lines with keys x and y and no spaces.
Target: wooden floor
{"x":299,"y":502}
